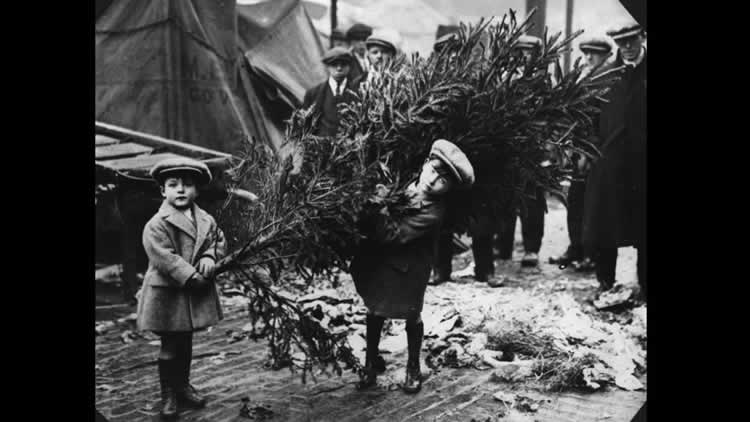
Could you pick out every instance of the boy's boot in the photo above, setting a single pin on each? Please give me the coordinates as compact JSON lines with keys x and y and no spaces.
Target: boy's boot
{"x":374,"y":328}
{"x":186,"y":393}
{"x":168,"y":392}
{"x":414,"y":334}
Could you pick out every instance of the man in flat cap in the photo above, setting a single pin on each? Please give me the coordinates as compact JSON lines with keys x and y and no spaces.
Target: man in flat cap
{"x":356,"y":36}
{"x":532,"y":220}
{"x":596,"y":50}
{"x":326,"y":96}
{"x":615,"y":199}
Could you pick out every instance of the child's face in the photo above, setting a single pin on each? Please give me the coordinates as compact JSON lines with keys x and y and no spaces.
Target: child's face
{"x":179,"y":191}
{"x":431,"y":181}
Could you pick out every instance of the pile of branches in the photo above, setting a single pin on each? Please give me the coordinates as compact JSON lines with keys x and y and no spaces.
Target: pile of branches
{"x":516,"y":126}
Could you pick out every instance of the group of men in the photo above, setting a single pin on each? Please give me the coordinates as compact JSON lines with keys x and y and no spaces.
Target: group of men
{"x":607,"y":196}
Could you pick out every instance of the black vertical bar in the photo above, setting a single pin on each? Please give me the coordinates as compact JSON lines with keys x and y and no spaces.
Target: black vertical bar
{"x":539,"y":19}
{"x":568,"y":31}
{"x":334,"y":22}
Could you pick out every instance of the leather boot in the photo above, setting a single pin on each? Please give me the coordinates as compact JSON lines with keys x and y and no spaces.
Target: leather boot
{"x":186,"y":394}
{"x":414,"y":334}
{"x":168,"y":392}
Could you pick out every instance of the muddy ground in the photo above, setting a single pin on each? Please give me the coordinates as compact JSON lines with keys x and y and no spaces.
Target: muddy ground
{"x":228,"y":371}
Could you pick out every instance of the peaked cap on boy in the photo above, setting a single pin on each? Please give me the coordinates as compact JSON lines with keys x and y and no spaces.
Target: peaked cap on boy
{"x":456,"y":160}
{"x":174,"y":164}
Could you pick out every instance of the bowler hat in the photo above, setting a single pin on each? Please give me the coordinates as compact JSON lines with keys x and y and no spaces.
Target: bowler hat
{"x":624,"y":29}
{"x":337,"y":54}
{"x":181,"y":164}
{"x":596,"y":45}
{"x":456,"y":160}
{"x":359,"y":31}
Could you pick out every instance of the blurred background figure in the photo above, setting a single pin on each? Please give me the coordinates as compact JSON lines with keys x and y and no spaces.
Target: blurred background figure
{"x":338,"y":39}
{"x":381,"y":47}
{"x":595,"y":51}
{"x":615,"y":198}
{"x":356,"y":37}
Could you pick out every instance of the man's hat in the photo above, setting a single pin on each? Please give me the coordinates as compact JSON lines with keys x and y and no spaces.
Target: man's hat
{"x":338,"y":34}
{"x":624,"y":29}
{"x":337,"y":54}
{"x":456,"y":161}
{"x":596,"y":45}
{"x":444,"y":39}
{"x":181,"y":164}
{"x":384,"y":38}
{"x":359,"y":31}
{"x":528,"y":42}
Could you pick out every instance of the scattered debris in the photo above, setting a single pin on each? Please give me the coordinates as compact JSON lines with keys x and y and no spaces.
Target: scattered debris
{"x":513,"y":371}
{"x":527,"y":404}
{"x":504,"y":397}
{"x":257,"y":412}
{"x":128,"y":336}
{"x":103,"y":327}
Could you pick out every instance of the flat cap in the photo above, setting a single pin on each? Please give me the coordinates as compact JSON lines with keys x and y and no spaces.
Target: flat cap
{"x":181,"y":164}
{"x":359,"y":31}
{"x":337,"y":54}
{"x":595,"y":44}
{"x":624,"y":29}
{"x":455,"y":159}
{"x":384,"y":38}
{"x":443,"y":40}
{"x":528,"y":42}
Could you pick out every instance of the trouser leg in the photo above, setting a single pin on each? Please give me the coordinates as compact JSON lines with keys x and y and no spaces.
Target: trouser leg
{"x":532,"y":225}
{"x":506,"y":230}
{"x":414,"y":335}
{"x":374,"y":329}
{"x":575,"y":218}
{"x":444,"y":255}
{"x":606,"y":261}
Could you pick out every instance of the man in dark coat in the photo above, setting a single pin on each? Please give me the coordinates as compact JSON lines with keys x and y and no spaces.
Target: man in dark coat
{"x":532,"y":218}
{"x":615,"y":200}
{"x":336,"y":89}
{"x":595,"y":51}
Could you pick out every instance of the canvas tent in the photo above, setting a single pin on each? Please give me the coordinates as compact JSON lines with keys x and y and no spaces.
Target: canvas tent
{"x":186,"y":69}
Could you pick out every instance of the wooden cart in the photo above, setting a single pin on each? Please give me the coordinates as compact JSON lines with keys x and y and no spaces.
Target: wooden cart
{"x":123,"y":158}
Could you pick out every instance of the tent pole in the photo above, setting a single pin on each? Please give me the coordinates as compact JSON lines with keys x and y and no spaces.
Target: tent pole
{"x":568,"y":31}
{"x":333,"y":21}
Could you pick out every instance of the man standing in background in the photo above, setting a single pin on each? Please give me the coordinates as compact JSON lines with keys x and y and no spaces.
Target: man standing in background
{"x":356,"y":36}
{"x":615,"y":199}
{"x":595,"y":51}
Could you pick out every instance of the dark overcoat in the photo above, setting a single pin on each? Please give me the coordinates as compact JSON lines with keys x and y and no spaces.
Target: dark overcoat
{"x":392,"y":268}
{"x":174,"y":246}
{"x":322,"y":98}
{"x":615,"y":199}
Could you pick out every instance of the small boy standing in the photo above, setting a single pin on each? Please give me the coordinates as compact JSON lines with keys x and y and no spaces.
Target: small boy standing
{"x":393,"y":265}
{"x":183,"y":243}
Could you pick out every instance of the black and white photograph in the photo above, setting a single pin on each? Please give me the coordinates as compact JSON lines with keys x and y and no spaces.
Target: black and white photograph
{"x":370,"y":210}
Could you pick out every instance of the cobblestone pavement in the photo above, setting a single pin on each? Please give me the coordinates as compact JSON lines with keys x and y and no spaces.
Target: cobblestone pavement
{"x":127,"y":382}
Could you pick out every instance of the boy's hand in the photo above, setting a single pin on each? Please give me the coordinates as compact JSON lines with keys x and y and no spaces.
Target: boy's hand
{"x":206,"y":266}
{"x":197,"y":281}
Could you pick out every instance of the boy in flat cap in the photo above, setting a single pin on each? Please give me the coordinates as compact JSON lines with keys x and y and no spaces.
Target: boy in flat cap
{"x":178,"y":297}
{"x":328,"y":95}
{"x":393,"y":265}
{"x":615,"y":199}
{"x":356,"y":36}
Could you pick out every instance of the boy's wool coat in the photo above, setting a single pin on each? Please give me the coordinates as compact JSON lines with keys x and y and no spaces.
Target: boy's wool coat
{"x":392,"y":267}
{"x":174,"y":246}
